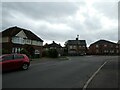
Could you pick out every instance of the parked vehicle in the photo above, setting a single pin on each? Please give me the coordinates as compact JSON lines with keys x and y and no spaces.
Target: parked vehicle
{"x":14,"y":61}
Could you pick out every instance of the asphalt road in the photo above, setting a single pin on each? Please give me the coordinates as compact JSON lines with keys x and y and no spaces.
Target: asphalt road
{"x":108,"y":76}
{"x":72,"y":73}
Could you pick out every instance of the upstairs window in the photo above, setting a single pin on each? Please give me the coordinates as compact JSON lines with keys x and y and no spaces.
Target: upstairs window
{"x":97,"y":46}
{"x":18,"y":40}
{"x":70,"y":47}
{"x":117,"y":46}
{"x":74,"y":47}
{"x":105,"y":45}
{"x":83,"y":46}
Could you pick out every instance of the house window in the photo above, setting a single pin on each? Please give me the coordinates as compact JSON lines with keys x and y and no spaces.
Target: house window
{"x":105,"y":51}
{"x":13,"y":50}
{"x":97,"y":46}
{"x":38,"y":43}
{"x":46,"y":49}
{"x":117,"y":46}
{"x":16,"y":50}
{"x":83,"y":46}
{"x":105,"y":45}
{"x":18,"y":40}
{"x":27,"y":41}
{"x":74,"y":47}
{"x":37,"y":52}
{"x":70,"y":47}
{"x":51,"y":47}
{"x":111,"y":51}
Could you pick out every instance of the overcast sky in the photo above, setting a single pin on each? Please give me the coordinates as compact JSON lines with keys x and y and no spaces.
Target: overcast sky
{"x":92,"y":20}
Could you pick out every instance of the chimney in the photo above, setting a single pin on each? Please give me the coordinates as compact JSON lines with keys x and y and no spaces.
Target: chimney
{"x":53,"y":41}
{"x":77,"y":37}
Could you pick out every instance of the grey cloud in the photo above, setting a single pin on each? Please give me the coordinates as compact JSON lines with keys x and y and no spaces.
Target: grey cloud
{"x":119,"y":20}
{"x":58,"y":13}
{"x":92,"y":36}
{"x":76,"y":25}
{"x":48,"y":34}
{"x":42,"y":10}
{"x":108,"y":9}
{"x":92,"y":23}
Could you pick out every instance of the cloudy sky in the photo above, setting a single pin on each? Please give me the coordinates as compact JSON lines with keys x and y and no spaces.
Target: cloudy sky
{"x":61,"y":21}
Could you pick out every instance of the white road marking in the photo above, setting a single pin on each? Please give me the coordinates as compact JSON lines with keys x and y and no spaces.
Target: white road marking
{"x":89,"y":56}
{"x":68,"y":58}
{"x":89,"y":80}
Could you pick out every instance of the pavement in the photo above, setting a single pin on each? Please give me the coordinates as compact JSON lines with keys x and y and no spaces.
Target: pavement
{"x":45,"y":59}
{"x":107,"y":77}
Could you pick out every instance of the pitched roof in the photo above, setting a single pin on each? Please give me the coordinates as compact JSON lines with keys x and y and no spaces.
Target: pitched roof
{"x":15,"y":30}
{"x":75,"y":42}
{"x":118,"y":42}
{"x":52,"y":45}
{"x":103,"y":42}
{"x":55,"y":45}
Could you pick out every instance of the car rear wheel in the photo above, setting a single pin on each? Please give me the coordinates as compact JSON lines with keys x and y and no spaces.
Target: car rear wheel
{"x":25,"y":66}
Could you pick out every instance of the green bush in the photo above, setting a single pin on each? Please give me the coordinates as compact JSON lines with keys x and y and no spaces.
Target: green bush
{"x":4,"y":51}
{"x":52,"y":53}
{"x":24,"y":51}
{"x":45,"y":54}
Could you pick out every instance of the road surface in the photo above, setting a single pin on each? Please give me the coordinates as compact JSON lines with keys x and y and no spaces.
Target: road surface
{"x":72,"y":73}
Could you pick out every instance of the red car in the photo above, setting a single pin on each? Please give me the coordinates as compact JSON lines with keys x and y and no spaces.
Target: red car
{"x":14,"y":61}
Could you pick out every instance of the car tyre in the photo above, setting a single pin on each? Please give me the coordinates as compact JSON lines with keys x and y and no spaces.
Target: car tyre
{"x":25,"y":66}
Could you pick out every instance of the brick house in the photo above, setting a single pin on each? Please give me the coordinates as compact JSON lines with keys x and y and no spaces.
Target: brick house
{"x":56,"y":46}
{"x":76,"y":47}
{"x":15,"y":39}
{"x":118,"y":43}
{"x":103,"y":47}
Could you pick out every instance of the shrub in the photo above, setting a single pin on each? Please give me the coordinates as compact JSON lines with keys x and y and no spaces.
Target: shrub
{"x":4,"y":51}
{"x":45,"y":54}
{"x":24,"y":51}
{"x":52,"y":53}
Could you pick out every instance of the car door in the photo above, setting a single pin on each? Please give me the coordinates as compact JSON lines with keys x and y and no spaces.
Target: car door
{"x":7,"y":62}
{"x":0,"y":64}
{"x":18,"y":60}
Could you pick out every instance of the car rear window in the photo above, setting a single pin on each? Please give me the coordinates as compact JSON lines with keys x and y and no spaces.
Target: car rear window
{"x":18,"y":56}
{"x":9,"y":57}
